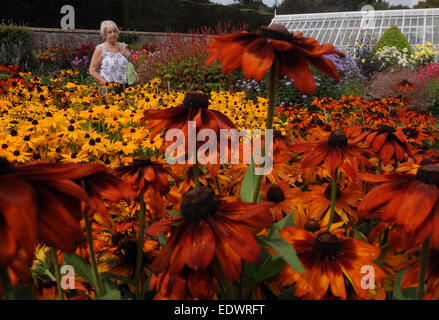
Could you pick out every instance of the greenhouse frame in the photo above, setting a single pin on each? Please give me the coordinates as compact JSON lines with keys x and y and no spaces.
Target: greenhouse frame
{"x":346,"y":29}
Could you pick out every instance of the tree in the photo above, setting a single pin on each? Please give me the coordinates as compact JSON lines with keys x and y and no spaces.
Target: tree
{"x":427,"y":4}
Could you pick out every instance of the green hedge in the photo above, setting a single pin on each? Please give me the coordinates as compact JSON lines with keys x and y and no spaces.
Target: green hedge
{"x":141,"y":15}
{"x":14,"y":46}
{"x":393,"y":37}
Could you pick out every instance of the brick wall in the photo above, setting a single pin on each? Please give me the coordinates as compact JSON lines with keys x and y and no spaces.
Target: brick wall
{"x":42,"y":38}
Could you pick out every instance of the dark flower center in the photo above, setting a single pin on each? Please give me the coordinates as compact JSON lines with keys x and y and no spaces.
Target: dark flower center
{"x":428,"y":174}
{"x":142,"y":162}
{"x":129,"y":253}
{"x":326,"y":244}
{"x":410,"y":133}
{"x":385,"y":128}
{"x":5,"y":166}
{"x":275,"y":194}
{"x":196,"y":100}
{"x":312,"y":225}
{"x":276,"y":32}
{"x":197,"y":204}
{"x":337,"y":139}
{"x":425,"y":161}
{"x":328,"y":192}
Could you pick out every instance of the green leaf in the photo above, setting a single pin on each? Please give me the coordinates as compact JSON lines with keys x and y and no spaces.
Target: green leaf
{"x":162,"y":239}
{"x":403,"y":294}
{"x":107,"y":275}
{"x":248,"y":184}
{"x":174,"y":213}
{"x":289,"y":294}
{"x":81,"y":267}
{"x":112,"y":291}
{"x":267,"y":267}
{"x":285,"y":250}
{"x":20,"y":292}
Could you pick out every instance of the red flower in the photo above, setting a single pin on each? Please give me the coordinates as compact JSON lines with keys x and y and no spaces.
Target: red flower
{"x":409,"y":200}
{"x":208,"y":228}
{"x":256,"y":51}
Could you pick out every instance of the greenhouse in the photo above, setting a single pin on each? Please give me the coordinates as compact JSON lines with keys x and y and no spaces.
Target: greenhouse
{"x":344,"y":29}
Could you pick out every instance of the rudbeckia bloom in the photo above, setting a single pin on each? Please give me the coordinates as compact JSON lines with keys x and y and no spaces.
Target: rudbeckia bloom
{"x":387,"y":143}
{"x":410,"y":200}
{"x":333,"y":264}
{"x":142,"y":173}
{"x":39,"y":202}
{"x":335,"y":151}
{"x":404,"y":85}
{"x":256,"y":51}
{"x":195,"y":107}
{"x":100,"y":185}
{"x":208,"y":227}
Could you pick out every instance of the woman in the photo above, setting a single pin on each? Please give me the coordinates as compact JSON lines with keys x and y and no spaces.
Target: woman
{"x":110,"y":59}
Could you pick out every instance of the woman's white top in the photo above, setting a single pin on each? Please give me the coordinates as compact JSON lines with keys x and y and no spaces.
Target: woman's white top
{"x":113,"y":66}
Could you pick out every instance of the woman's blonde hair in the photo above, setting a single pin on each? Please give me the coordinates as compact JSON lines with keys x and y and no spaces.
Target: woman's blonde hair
{"x":108,"y":24}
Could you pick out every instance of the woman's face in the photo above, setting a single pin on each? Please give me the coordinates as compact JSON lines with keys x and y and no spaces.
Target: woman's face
{"x":111,"y":34}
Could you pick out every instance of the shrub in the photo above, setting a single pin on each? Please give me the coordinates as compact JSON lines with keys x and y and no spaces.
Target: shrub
{"x":128,"y":37}
{"x":393,"y":37}
{"x":180,"y":61}
{"x":14,"y":46}
{"x":53,"y":58}
{"x":382,"y":86}
{"x":390,"y":57}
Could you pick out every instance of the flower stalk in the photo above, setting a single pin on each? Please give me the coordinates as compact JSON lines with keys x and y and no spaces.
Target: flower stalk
{"x":93,"y":261}
{"x":333,"y":199}
{"x":139,"y":258}
{"x":270,"y":115}
{"x":423,"y":268}
{"x":54,"y":258}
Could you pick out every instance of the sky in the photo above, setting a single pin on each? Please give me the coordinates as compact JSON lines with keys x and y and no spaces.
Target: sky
{"x":270,"y":3}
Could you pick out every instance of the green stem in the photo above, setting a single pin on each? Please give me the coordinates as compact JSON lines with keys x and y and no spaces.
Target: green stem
{"x":333,"y":198}
{"x":54,"y":258}
{"x":379,"y":167}
{"x":270,"y":115}
{"x":5,"y":280}
{"x":94,"y":264}
{"x":139,"y":260}
{"x":196,"y":172}
{"x":423,"y":268}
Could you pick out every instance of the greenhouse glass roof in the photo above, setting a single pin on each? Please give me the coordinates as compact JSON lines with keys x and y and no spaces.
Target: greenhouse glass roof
{"x":344,"y":29}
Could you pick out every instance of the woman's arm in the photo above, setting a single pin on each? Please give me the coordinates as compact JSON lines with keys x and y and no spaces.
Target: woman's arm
{"x":95,"y":63}
{"x":125,"y":51}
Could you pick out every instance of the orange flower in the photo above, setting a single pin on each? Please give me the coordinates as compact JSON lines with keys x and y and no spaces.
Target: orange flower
{"x":195,"y":107}
{"x":255,"y":52}
{"x":143,"y":173}
{"x":334,"y":151}
{"x":333,"y":264}
{"x":208,"y":227}
{"x":410,"y":200}
{"x":318,"y":201}
{"x":39,"y":202}
{"x":411,"y":277}
{"x":100,"y":185}
{"x":388,"y":142}
{"x":404,"y":85}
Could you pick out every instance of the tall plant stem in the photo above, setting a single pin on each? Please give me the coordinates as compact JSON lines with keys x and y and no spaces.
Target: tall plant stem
{"x":333,"y":198}
{"x":270,"y":115}
{"x":423,"y":268}
{"x":139,"y":260}
{"x":5,"y":280}
{"x":54,"y":258}
{"x":94,"y":264}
